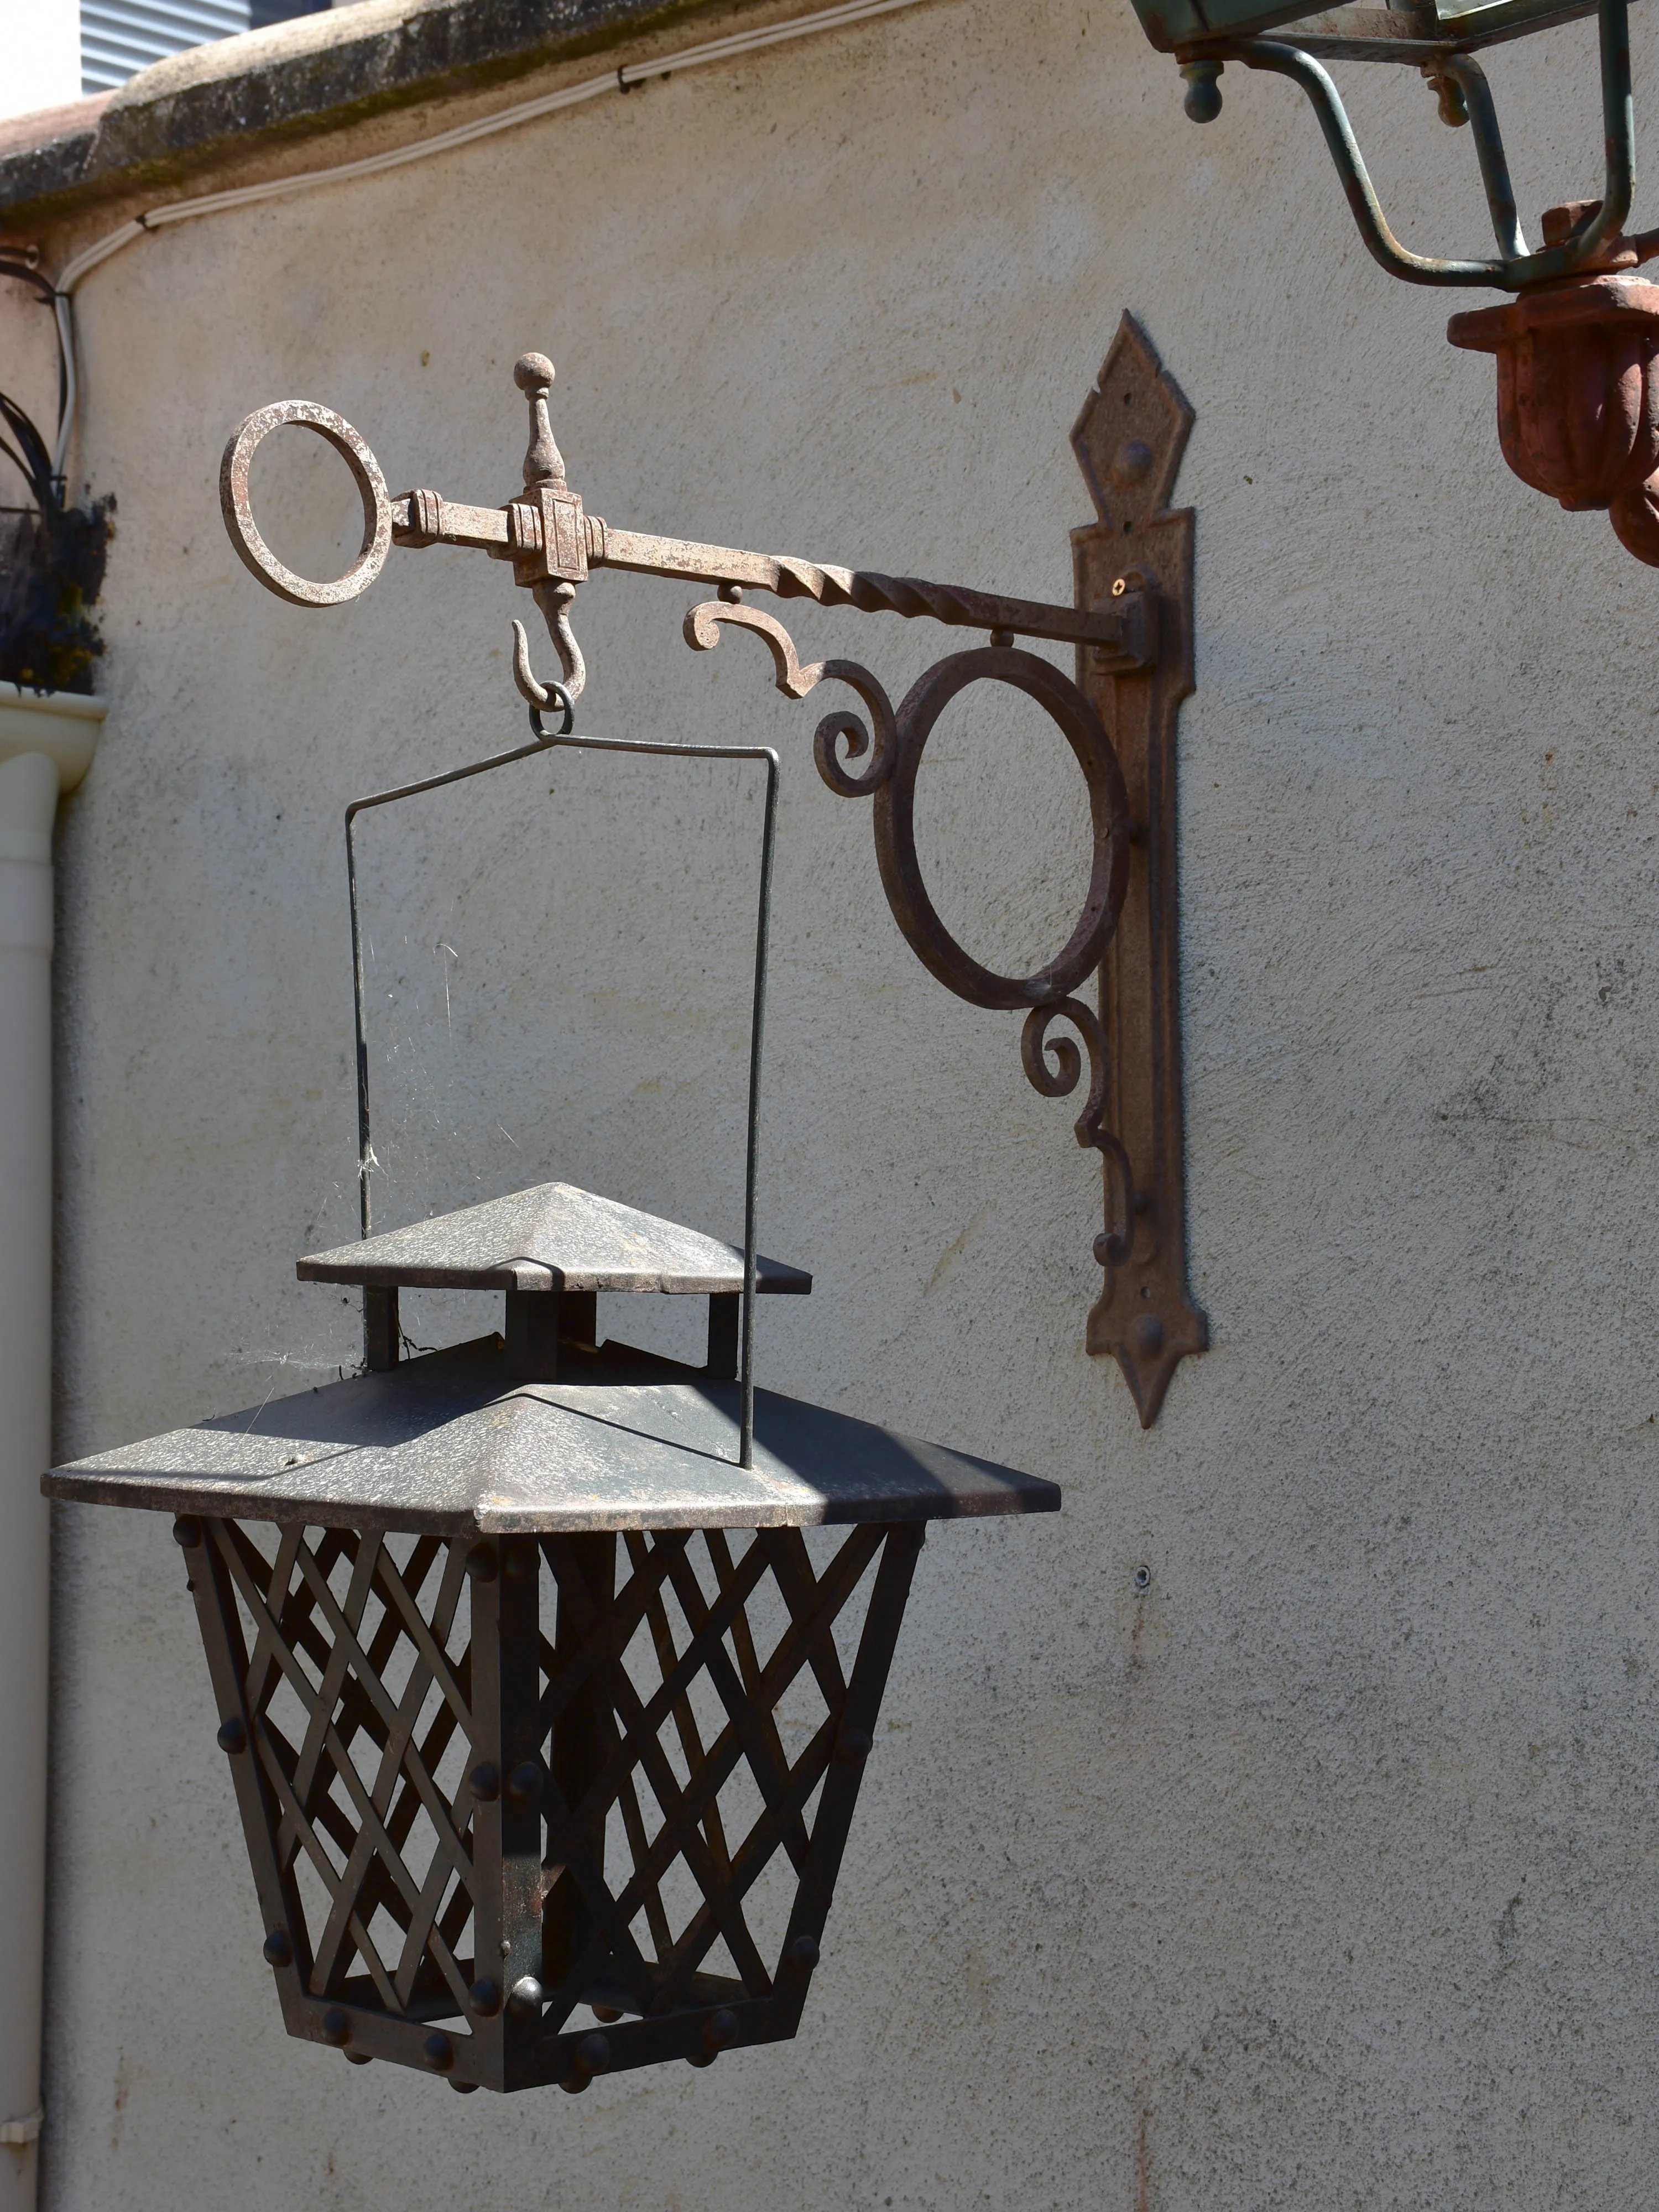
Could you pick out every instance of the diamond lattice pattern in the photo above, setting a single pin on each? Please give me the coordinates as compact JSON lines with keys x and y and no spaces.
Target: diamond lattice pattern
{"x":692,"y":1704}
{"x":357,"y":1683}
{"x":692,"y":1692}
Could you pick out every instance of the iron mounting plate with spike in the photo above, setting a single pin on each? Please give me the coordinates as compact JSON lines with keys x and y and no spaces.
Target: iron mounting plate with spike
{"x":1130,"y":439}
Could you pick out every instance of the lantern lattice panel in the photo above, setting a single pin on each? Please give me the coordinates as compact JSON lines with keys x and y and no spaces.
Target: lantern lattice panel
{"x":542,"y":1808}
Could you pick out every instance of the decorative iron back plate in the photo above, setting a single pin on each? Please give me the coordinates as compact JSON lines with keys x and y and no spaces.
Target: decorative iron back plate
{"x":1130,"y":439}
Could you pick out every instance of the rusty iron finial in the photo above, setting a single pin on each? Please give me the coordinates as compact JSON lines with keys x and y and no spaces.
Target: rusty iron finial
{"x":543,"y":462}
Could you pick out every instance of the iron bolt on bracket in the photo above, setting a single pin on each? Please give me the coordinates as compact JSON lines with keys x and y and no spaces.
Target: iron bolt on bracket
{"x":1132,"y":627}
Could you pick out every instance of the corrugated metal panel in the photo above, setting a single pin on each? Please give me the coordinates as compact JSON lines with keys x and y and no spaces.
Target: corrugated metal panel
{"x":121,"y":37}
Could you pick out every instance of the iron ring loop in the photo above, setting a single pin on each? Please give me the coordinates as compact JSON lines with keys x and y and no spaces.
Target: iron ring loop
{"x":237,"y":507}
{"x":559,"y":697}
{"x":1109,"y":809}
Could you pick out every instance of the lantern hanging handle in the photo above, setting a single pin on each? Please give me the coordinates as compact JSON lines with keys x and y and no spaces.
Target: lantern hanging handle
{"x":555,"y":694}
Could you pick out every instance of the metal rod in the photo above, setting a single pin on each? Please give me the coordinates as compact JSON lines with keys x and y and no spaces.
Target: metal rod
{"x":546,"y":740}
{"x":1618,"y":120}
{"x":762,"y":947}
{"x":1413,"y":268}
{"x":1467,"y":74}
{"x":365,"y":1145}
{"x":1517,"y":269}
{"x":1119,"y":626}
{"x":1619,"y":125}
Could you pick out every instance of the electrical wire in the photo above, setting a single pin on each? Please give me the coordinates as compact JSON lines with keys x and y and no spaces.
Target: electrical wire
{"x":506,"y":119}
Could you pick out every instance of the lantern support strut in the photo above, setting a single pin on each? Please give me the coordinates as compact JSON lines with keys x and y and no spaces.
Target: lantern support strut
{"x":1516,"y":269}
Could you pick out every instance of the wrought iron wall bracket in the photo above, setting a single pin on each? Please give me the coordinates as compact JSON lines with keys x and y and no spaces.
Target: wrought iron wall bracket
{"x":1130,"y":440}
{"x":1131,"y":623}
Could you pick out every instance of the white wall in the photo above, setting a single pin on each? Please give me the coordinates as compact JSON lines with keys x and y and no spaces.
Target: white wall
{"x":1324,"y":1874}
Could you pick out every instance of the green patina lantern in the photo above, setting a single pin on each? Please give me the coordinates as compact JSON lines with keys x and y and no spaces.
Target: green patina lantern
{"x":1440,"y":40}
{"x":1578,"y":352}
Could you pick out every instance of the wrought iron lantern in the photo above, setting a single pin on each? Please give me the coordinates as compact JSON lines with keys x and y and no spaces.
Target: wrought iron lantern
{"x":546,"y":1711}
{"x":1577,"y":399}
{"x":545,"y":1725}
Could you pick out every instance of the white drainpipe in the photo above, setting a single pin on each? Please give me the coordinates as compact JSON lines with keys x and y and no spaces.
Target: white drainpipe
{"x":45,"y":747}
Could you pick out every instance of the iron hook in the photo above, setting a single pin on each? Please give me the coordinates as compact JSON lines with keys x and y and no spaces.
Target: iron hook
{"x":539,"y":695}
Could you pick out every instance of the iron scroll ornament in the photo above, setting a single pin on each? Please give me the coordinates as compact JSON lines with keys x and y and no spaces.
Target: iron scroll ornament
{"x":1125,"y":633}
{"x":1053,"y":1065}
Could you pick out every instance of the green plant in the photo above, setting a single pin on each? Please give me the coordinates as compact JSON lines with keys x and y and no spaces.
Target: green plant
{"x":52,"y":570}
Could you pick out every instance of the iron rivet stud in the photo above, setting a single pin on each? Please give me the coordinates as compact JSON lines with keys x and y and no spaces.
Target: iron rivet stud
{"x":593,"y":2054}
{"x":482,"y":1563}
{"x":336,"y":2028}
{"x":1147,"y":1336}
{"x":486,"y":1782}
{"x":853,"y":1747}
{"x":1203,"y":101}
{"x":521,"y":1562}
{"x":804,"y":1951}
{"x":720,"y":2031}
{"x":574,"y":2084}
{"x":525,"y":1784}
{"x":278,"y":1950}
{"x":732,"y":594}
{"x":233,"y":1736}
{"x":358,"y":2057}
{"x":525,"y":1997}
{"x":1002,"y":637}
{"x":187,"y":1531}
{"x":485,"y":1998}
{"x":439,"y":2053}
{"x":461,"y":2088}
{"x":608,"y":2013}
{"x":1132,"y":464}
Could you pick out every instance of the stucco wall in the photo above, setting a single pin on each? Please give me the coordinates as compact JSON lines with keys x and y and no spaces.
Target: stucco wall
{"x":1322,"y":1874}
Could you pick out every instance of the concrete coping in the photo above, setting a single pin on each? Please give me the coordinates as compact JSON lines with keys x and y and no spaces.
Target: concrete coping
{"x":262,"y":90}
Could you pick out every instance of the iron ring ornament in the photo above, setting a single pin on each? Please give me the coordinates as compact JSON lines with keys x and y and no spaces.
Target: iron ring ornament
{"x":235,"y":504}
{"x":1108,"y":811}
{"x":891,"y":779}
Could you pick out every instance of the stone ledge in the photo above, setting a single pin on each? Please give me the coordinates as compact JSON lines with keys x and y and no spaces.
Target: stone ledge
{"x":314,"y":73}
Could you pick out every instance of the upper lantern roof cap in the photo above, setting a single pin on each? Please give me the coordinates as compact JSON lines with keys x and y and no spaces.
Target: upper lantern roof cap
{"x":551,"y":1237}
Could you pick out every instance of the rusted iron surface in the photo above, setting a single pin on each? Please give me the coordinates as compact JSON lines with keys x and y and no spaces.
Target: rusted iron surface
{"x":551,"y":541}
{"x":1128,"y":440}
{"x":1131,"y":626}
{"x":1577,"y":407}
{"x":1578,"y":383}
{"x":236,"y":506}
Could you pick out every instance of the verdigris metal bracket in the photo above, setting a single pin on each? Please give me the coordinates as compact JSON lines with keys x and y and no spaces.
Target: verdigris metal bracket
{"x":1132,"y":627}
